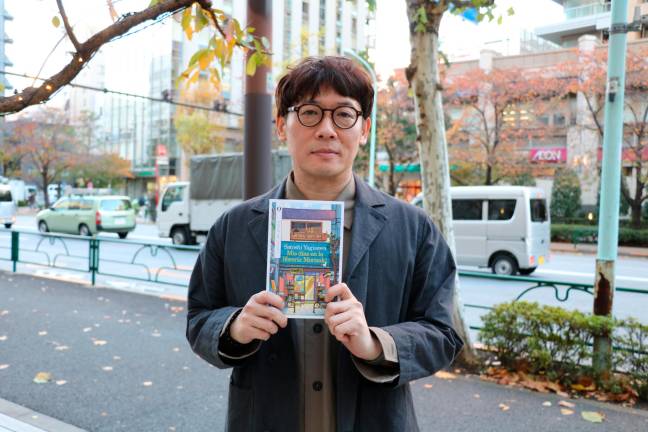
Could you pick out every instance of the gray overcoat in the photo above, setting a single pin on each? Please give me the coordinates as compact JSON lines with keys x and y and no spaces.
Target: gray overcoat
{"x":399,"y":267}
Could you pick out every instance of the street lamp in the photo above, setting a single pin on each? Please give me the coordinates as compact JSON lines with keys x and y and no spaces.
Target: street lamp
{"x":372,"y":138}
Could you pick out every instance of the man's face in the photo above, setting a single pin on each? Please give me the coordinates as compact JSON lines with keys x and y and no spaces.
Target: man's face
{"x":324,"y":151}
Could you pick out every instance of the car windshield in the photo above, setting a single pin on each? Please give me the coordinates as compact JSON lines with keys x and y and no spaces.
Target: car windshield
{"x":115,"y":204}
{"x":5,"y":195}
{"x":538,"y":210}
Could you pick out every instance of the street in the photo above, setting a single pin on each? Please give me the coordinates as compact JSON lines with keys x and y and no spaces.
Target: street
{"x":120,"y":362}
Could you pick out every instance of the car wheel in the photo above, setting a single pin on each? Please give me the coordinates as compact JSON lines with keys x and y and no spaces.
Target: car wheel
{"x":7,"y":226}
{"x":42,"y":227}
{"x":504,"y":265}
{"x":122,"y":235}
{"x":84,"y":230}
{"x":527,"y":271}
{"x":179,"y":236}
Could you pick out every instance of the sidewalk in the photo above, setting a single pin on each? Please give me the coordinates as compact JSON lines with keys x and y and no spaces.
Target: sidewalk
{"x":591,"y":249}
{"x":126,"y":366}
{"x":16,"y":418}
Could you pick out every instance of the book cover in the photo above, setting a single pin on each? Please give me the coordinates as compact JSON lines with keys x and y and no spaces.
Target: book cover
{"x":304,"y":253}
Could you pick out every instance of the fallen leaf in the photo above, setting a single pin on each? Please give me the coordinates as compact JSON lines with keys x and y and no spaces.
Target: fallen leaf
{"x":87,"y":329}
{"x":147,"y":383}
{"x":99,"y":342}
{"x":4,"y":312}
{"x":554,"y":387}
{"x":427,"y":386}
{"x":107,"y":368}
{"x":476,"y":396}
{"x":61,"y":382}
{"x":593,"y":416}
{"x":3,"y":366}
{"x":42,"y":333}
{"x":116,"y":358}
{"x":581,"y":387}
{"x":547,"y":404}
{"x":156,"y":334}
{"x":3,"y":338}
{"x":566,"y":404}
{"x":62,"y":348}
{"x":565,"y":411}
{"x":43,"y":377}
{"x":176,"y":349}
{"x":176,"y":309}
{"x":504,"y":407}
{"x":445,"y":375}
{"x":104,"y":414}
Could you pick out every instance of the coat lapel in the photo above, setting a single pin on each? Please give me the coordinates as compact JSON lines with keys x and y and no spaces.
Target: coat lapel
{"x":368,"y":220}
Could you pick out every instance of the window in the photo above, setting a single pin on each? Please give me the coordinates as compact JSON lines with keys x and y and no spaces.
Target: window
{"x":115,"y":205}
{"x":172,"y":195}
{"x":74,"y":204}
{"x":501,"y":209}
{"x":5,"y":195}
{"x":538,"y":210}
{"x":466,"y":209}
{"x":61,"y":204}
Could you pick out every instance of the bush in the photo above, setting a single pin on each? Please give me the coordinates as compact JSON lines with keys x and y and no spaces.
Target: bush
{"x":22,"y":203}
{"x":565,"y":194}
{"x":558,"y":343}
{"x":589,"y":234}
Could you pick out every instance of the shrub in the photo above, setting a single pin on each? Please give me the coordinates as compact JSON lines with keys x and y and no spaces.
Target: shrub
{"x":555,"y":342}
{"x":565,"y":194}
{"x":589,"y":234}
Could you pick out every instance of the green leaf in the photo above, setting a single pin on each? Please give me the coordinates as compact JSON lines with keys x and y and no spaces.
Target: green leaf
{"x":500,"y":19}
{"x":200,"y":20}
{"x":511,"y":11}
{"x":153,"y":3}
{"x":593,"y":416}
{"x":186,"y":23}
{"x":56,"y":21}
{"x":2,"y":87}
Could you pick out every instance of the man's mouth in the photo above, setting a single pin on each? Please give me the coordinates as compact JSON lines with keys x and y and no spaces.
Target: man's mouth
{"x":325,"y":152}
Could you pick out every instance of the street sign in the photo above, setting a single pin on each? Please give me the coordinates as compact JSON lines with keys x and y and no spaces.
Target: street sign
{"x":162,"y":160}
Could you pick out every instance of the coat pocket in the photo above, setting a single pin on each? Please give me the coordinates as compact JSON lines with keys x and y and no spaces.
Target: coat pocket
{"x":240,"y":409}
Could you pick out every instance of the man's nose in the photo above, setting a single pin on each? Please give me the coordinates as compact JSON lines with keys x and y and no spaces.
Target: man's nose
{"x":326,"y":127}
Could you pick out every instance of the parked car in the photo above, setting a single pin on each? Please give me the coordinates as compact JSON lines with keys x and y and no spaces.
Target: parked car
{"x":88,"y":215}
{"x":7,"y":206}
{"x":506,"y":228}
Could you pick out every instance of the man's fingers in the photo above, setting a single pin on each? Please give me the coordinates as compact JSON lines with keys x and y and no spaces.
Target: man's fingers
{"x":339,"y":307}
{"x":263,"y":324}
{"x":268,"y":298}
{"x":268,"y":312}
{"x":347,"y":328}
{"x":340,"y":290}
{"x":335,"y":320}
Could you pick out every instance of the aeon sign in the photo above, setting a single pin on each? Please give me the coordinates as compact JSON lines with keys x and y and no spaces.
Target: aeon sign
{"x":548,"y":155}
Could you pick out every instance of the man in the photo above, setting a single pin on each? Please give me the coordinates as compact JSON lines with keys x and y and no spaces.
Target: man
{"x":388,"y":323}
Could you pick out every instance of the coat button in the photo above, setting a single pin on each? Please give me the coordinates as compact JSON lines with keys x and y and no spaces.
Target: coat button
{"x":272,"y":358}
{"x":317,"y":328}
{"x":317,"y":385}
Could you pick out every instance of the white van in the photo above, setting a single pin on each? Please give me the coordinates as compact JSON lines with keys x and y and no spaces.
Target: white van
{"x":7,"y":206}
{"x":506,"y":228}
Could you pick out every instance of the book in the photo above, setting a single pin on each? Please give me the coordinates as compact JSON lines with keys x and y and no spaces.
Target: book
{"x":304,"y":253}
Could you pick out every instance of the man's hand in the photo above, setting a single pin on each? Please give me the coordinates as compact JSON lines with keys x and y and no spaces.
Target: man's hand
{"x":346,"y":321}
{"x":260,"y":318}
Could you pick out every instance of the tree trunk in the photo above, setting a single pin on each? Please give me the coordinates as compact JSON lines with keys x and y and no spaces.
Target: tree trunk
{"x":423,"y":76}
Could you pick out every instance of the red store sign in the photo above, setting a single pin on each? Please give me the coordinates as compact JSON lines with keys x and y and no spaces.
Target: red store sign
{"x":548,"y":155}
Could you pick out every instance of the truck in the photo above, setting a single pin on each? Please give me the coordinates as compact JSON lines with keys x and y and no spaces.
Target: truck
{"x":187,"y":210}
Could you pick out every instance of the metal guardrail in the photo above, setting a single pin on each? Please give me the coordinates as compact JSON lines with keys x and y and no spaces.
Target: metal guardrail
{"x":125,"y":259}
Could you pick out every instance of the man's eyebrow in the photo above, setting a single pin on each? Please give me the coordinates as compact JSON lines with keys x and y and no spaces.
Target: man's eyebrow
{"x":313,"y":101}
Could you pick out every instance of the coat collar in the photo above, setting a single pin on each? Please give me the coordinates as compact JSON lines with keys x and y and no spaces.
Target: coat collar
{"x":368,"y":220}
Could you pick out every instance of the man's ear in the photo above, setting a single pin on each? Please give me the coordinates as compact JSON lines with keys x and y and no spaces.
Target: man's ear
{"x":366,"y":128}
{"x":281,"y":128}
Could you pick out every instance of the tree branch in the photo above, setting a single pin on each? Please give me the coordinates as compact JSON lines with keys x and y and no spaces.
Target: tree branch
{"x":34,"y":95}
{"x":68,"y":28}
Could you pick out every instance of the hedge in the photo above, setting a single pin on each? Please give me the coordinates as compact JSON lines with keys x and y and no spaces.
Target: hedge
{"x":555,"y":342}
{"x":589,"y":234}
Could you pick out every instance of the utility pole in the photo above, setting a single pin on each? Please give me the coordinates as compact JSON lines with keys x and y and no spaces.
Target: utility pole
{"x":257,"y":158}
{"x":608,"y":230}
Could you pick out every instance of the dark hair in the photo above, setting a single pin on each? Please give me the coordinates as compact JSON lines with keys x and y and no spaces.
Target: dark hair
{"x":308,"y":77}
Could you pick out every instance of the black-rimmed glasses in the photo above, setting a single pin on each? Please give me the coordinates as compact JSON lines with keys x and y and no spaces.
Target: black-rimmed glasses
{"x":310,"y":115}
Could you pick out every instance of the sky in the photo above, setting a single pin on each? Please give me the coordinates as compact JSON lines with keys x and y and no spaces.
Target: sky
{"x":33,"y":42}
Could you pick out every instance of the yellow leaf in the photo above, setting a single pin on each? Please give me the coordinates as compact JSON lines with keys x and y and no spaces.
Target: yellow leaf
{"x":445,"y":375}
{"x":186,"y":23}
{"x":3,"y":366}
{"x":99,"y":342}
{"x":204,"y":60}
{"x":147,"y":383}
{"x":61,"y":382}
{"x":250,"y":69}
{"x":593,"y":416}
{"x":565,"y":411}
{"x":43,"y":377}
{"x":427,"y":386}
{"x":566,"y":404}
{"x":504,"y":407}
{"x":56,"y":21}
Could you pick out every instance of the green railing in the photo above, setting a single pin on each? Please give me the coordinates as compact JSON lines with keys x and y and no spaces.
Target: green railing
{"x":126,"y":259}
{"x":561,"y":289}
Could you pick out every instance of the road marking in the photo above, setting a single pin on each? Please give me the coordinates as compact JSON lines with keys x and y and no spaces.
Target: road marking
{"x":589,"y":275}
